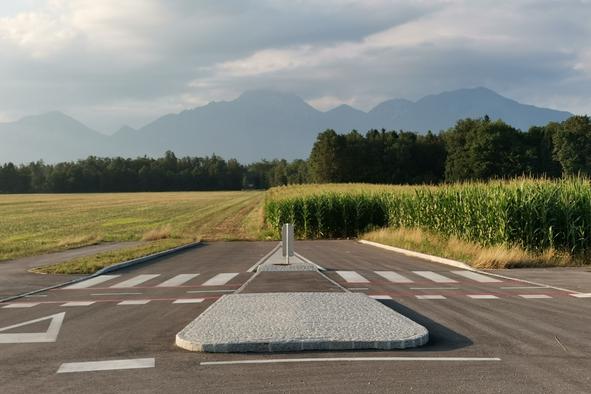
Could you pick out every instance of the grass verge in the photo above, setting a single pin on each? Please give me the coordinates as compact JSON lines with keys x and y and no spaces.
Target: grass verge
{"x":91,"y":264}
{"x":475,"y":255}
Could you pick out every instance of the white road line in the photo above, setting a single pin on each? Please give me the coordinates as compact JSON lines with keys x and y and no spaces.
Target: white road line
{"x":134,"y":302}
{"x":107,"y":294}
{"x":531,"y":283}
{"x":393,"y":277}
{"x":299,"y":256}
{"x":92,"y":282}
{"x":434,"y":288}
{"x":188,"y":300}
{"x":137,"y":280}
{"x":352,"y":277}
{"x":220,"y":279}
{"x":21,"y":305}
{"x":582,"y":295}
{"x":49,"y":335}
{"x":177,"y":280}
{"x":483,"y":296}
{"x":534,"y":296}
{"x":523,"y":287}
{"x":431,"y":297}
{"x":109,"y":365}
{"x":78,"y":303}
{"x":358,"y":288}
{"x":209,"y":291}
{"x":477,"y":277}
{"x":435,"y":277}
{"x":347,"y":359}
{"x":380,"y":297}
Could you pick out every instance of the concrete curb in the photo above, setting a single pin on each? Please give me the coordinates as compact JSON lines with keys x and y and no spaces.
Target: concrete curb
{"x":428,"y":257}
{"x":264,"y":258}
{"x":110,"y":268}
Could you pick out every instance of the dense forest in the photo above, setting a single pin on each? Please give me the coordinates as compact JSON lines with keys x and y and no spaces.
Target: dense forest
{"x":474,"y":149}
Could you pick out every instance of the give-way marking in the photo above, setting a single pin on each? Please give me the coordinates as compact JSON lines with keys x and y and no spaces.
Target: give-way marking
{"x":341,"y":359}
{"x":33,"y":337}
{"x":108,"y":365}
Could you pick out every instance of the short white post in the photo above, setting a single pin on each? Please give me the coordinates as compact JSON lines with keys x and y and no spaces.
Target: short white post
{"x":287,"y":240}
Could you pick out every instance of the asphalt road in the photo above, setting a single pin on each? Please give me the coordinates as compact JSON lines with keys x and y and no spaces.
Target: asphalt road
{"x":15,"y":278}
{"x":534,"y":339}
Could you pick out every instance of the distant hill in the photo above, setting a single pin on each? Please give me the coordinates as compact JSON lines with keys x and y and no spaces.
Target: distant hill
{"x":52,"y":137}
{"x":258,"y":124}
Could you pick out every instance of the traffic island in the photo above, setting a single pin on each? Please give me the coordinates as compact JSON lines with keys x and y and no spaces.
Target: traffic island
{"x":285,"y":322}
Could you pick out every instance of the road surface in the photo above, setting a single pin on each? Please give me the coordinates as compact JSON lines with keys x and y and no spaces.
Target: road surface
{"x":487,"y":333}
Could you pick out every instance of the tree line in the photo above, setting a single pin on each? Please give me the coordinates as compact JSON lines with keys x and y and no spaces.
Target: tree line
{"x":474,"y":149}
{"x":168,"y":173}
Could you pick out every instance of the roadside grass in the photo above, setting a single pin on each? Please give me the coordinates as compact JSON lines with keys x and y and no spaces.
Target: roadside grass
{"x":471,"y":253}
{"x":36,"y":224}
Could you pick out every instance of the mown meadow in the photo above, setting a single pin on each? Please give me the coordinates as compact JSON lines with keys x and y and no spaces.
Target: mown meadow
{"x":533,"y":215}
{"x":32,"y":224}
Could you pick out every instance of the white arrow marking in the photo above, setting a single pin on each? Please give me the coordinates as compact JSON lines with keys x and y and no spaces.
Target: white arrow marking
{"x":32,"y":337}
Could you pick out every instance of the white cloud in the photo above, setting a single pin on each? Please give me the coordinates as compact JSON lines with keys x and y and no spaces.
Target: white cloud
{"x":136,"y":56}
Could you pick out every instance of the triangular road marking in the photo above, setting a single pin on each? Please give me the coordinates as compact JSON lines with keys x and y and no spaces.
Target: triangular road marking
{"x":32,"y":337}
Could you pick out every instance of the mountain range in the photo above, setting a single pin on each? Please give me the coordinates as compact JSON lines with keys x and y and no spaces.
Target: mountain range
{"x":258,"y":124}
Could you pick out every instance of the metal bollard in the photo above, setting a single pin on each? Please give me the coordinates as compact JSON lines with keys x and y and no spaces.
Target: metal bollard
{"x":287,"y":241}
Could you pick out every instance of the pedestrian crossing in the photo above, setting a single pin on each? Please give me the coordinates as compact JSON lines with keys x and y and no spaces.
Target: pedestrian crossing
{"x":135,"y":281}
{"x":178,"y":280}
{"x":419,"y":277}
{"x":151,"y":280}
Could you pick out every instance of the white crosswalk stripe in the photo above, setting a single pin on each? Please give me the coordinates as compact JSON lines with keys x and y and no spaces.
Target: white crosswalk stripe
{"x":352,"y":277}
{"x":393,"y":277}
{"x":477,"y":277}
{"x":134,"y":302}
{"x":136,"y":280}
{"x":177,"y":280}
{"x":220,"y":279}
{"x":92,"y":282}
{"x":188,"y":300}
{"x":78,"y":303}
{"x":21,"y":305}
{"x":435,"y":277}
{"x":581,"y":295}
{"x":431,"y":297}
{"x":534,"y":296}
{"x":483,"y":296}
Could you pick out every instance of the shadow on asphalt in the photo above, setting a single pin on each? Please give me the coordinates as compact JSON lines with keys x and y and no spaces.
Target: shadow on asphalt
{"x":441,"y":338}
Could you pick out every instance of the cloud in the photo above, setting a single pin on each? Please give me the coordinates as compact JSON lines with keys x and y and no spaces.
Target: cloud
{"x":111,"y":62}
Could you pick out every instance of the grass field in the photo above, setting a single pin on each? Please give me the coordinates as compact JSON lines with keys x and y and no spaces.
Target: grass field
{"x":497,"y":224}
{"x":34,"y":224}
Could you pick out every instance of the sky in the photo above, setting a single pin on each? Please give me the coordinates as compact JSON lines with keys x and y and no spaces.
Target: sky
{"x":114,"y":62}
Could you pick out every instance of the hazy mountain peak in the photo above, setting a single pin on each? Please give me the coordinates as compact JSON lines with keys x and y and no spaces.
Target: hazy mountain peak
{"x":126,"y":128}
{"x":264,"y":97}
{"x":397,"y":103}
{"x":343,"y":108}
{"x":54,"y":121}
{"x":259,"y":123}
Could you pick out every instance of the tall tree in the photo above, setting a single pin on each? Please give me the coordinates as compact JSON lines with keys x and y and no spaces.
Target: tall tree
{"x":572,"y":145}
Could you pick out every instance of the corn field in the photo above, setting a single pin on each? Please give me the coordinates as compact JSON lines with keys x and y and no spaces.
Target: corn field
{"x":534,"y":214}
